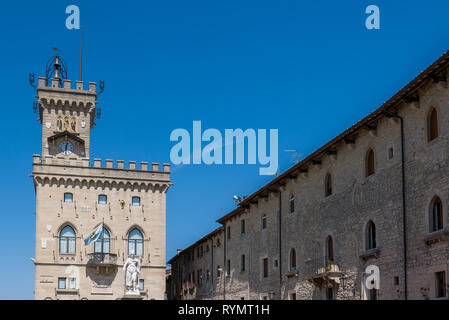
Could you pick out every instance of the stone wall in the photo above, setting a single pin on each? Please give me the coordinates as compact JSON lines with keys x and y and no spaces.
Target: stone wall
{"x":356,"y":200}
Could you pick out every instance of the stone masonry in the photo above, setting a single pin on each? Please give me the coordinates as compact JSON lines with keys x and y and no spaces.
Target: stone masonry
{"x":295,"y":213}
{"x":86,"y":272}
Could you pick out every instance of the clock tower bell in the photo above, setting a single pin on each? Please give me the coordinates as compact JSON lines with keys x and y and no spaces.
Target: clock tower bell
{"x":67,"y":115}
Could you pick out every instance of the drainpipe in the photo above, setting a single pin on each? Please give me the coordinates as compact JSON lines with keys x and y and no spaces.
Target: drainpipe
{"x":212,"y":266}
{"x":280,"y":244}
{"x":404,"y":216}
{"x":224,"y":261}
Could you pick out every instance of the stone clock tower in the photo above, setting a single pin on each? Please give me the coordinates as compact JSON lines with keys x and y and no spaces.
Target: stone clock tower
{"x":76,"y":195}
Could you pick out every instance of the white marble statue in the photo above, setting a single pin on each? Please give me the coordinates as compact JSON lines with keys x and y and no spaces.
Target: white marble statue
{"x":132,"y":271}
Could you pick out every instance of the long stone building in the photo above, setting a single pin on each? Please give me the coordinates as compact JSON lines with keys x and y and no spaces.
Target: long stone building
{"x":363,"y":217}
{"x":75,"y":195}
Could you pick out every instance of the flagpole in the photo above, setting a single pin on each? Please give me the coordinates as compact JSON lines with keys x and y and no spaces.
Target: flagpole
{"x":102,"y":236}
{"x":81,"y":53}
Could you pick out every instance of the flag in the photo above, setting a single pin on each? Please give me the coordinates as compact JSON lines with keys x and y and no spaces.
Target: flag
{"x":93,"y":235}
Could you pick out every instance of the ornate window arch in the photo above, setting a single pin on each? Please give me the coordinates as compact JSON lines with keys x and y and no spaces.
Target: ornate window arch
{"x":135,"y":242}
{"x":67,"y":240}
{"x":103,"y":244}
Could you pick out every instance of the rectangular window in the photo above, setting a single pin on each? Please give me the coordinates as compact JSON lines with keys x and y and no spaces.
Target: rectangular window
{"x":243,"y":225}
{"x":228,"y":233}
{"x":102,"y":199}
{"x":264,"y":222}
{"x":136,"y":201}
{"x":62,"y":283}
{"x":228,"y":267}
{"x":265,"y":267}
{"x":68,"y":197}
{"x":242,"y":264}
{"x":141,"y":284}
{"x":72,"y":283}
{"x":440,"y":284}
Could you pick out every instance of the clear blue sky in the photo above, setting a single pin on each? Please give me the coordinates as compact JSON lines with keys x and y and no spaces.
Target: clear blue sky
{"x":308,"y":68}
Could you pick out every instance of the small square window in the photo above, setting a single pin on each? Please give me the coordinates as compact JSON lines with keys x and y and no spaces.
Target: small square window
{"x":61,"y":283}
{"x":136,"y":201}
{"x":102,"y":199}
{"x":68,"y":197}
{"x":141,"y":285}
{"x":72,"y":283}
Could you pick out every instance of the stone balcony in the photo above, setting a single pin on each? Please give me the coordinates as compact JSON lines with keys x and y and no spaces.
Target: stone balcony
{"x":329,"y":275}
{"x":102,"y":259}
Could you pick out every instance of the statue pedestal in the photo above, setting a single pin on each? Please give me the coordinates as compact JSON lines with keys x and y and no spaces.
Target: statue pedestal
{"x":132,"y":296}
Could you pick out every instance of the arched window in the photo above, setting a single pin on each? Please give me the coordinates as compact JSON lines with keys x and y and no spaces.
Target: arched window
{"x":328,"y":185}
{"x":292,"y":259}
{"x":67,"y":239}
{"x":135,"y":243}
{"x":102,"y":245}
{"x":292,"y":203}
{"x":436,"y":215}
{"x":370,"y":236}
{"x":432,"y":124}
{"x":370,"y":163}
{"x":329,"y":250}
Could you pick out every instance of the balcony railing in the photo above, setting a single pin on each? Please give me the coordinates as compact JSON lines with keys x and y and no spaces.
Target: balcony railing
{"x":102,"y":259}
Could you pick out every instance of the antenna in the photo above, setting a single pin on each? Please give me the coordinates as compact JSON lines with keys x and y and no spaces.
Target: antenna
{"x":296,"y":155}
{"x":81,"y":53}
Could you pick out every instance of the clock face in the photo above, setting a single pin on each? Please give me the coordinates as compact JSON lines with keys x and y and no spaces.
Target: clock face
{"x":66,"y":147}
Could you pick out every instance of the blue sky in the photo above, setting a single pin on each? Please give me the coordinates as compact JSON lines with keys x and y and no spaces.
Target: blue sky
{"x":308,"y":68}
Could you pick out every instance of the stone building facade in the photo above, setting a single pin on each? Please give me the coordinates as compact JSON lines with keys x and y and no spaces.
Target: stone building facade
{"x":74,"y":195}
{"x":373,"y":199}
